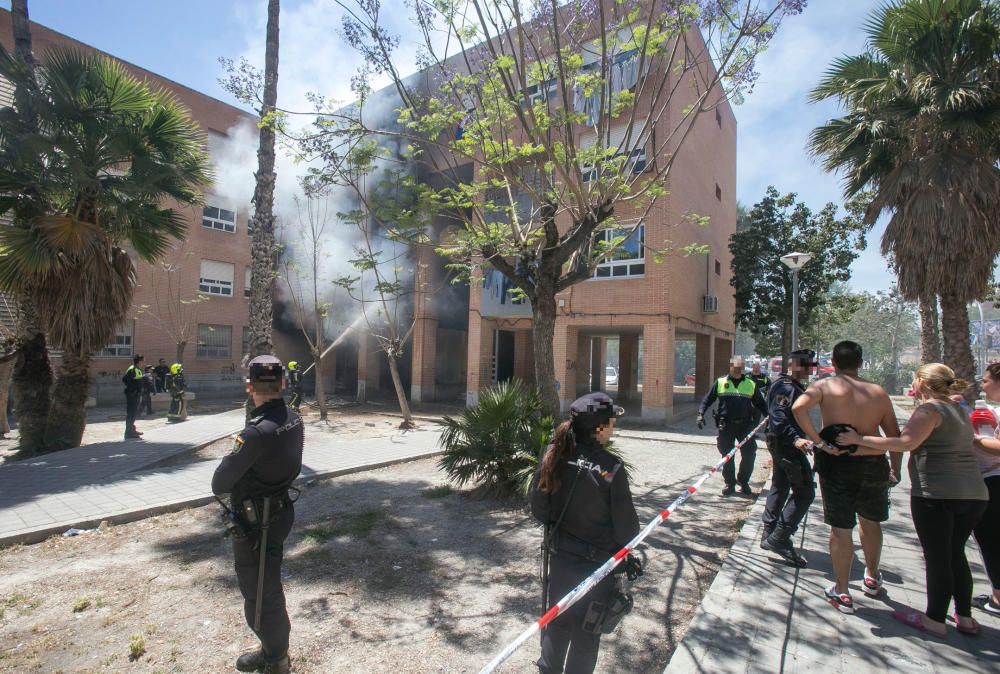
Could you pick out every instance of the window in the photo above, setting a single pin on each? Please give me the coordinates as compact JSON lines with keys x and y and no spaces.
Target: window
{"x":718,"y":192}
{"x":246,"y":283}
{"x":215,"y":341}
{"x":718,"y":268}
{"x":245,"y":346}
{"x":543,"y":91}
{"x":216,"y":278}
{"x":637,"y":143}
{"x":213,"y":217}
{"x":121,"y":343}
{"x":628,"y":260}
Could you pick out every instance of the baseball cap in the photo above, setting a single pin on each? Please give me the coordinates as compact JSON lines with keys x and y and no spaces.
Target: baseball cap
{"x":265,"y":368}
{"x":595,"y":404}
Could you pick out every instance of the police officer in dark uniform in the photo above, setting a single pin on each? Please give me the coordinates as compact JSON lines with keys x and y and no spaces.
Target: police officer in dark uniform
{"x":265,"y":461}
{"x":581,"y":494}
{"x":739,"y":398}
{"x":133,"y":395}
{"x":790,"y":469}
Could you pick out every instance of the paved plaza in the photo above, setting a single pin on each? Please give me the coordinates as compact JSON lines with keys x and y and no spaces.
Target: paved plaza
{"x":119,"y":481}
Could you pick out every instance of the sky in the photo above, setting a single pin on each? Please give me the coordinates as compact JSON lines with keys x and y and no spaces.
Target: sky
{"x":183,"y":40}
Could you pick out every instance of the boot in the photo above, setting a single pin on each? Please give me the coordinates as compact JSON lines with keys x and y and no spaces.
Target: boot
{"x":766,"y":531}
{"x":282,"y":666}
{"x":780,"y":542}
{"x":251,"y":662}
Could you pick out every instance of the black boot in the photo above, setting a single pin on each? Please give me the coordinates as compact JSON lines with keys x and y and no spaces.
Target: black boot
{"x":780,"y":542}
{"x":766,"y":531}
{"x":282,"y":666}
{"x":251,"y":662}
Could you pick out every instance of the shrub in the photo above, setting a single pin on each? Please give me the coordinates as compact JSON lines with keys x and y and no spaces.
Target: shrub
{"x":496,"y":444}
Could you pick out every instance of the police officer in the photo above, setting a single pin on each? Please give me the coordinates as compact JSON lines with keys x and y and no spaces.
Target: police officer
{"x":790,"y":469}
{"x":264,"y":462}
{"x":295,"y":384}
{"x":738,"y":397}
{"x":133,"y":395}
{"x":177,"y":387}
{"x":581,"y":495}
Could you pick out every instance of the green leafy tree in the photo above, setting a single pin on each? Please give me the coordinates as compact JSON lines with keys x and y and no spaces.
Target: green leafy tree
{"x":97,"y":161}
{"x":921,"y":128}
{"x":536,"y":126}
{"x":778,"y":225}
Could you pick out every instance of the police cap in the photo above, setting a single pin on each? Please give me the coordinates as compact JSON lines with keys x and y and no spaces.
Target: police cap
{"x":265,"y":369}
{"x":596,"y":404}
{"x":806,"y":357}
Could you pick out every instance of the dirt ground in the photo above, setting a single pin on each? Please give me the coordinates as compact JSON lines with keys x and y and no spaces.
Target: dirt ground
{"x":389,"y":570}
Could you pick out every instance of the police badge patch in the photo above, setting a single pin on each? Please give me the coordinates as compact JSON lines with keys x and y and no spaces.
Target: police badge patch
{"x":782,"y":400}
{"x":238,"y":445}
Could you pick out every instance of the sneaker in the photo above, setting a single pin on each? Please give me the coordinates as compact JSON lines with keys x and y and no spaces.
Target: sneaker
{"x":985,"y":602}
{"x":873,"y":585}
{"x":729,"y":490}
{"x":841,"y":602}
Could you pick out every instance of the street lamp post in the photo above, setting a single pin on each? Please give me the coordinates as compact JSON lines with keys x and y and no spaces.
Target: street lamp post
{"x":795,"y":262}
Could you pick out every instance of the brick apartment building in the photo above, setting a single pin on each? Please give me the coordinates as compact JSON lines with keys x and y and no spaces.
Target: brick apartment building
{"x":639,"y":311}
{"x":213,"y":262}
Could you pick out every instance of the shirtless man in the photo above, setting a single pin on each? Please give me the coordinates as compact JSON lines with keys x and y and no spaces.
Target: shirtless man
{"x":852,"y":486}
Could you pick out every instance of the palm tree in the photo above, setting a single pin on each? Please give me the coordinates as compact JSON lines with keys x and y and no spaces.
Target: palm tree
{"x":922,"y":128}
{"x":32,"y":372}
{"x":96,"y":165}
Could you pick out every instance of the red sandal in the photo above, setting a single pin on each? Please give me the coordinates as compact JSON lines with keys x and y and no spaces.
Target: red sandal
{"x":915,"y":619}
{"x":971,"y":630}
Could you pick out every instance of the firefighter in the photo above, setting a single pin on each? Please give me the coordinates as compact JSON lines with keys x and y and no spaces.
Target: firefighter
{"x":738,"y":397}
{"x":177,"y":388}
{"x":295,"y":384}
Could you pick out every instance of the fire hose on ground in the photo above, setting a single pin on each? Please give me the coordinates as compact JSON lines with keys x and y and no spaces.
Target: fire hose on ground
{"x":602,"y":572}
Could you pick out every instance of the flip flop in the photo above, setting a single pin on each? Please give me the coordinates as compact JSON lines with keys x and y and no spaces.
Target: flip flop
{"x":971,"y":630}
{"x":915,"y":620}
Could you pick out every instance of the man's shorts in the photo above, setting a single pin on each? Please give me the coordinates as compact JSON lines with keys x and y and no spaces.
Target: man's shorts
{"x":854,"y":487}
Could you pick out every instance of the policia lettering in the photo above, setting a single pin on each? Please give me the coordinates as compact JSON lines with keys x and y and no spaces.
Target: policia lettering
{"x":581,"y":495}
{"x":790,"y":470}
{"x":258,"y":474}
{"x":740,"y":400}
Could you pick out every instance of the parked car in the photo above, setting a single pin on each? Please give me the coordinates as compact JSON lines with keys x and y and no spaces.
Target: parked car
{"x":610,"y":376}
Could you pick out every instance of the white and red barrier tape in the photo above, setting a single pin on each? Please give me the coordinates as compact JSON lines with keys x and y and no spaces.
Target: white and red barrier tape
{"x":584,"y":587}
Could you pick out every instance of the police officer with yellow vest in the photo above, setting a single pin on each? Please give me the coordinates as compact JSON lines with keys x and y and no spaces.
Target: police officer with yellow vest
{"x":133,"y":394}
{"x":739,"y":397}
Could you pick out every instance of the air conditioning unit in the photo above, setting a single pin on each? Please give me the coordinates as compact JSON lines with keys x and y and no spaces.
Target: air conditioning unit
{"x":710,"y":304}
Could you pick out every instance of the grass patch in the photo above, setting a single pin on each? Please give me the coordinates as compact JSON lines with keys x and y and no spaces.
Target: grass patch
{"x":136,"y":647}
{"x":438,"y":492}
{"x":356,"y":525}
{"x":81,"y":604}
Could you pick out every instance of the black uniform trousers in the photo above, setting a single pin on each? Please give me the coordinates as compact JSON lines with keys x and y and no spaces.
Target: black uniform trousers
{"x":790,"y":472}
{"x":566,"y":647}
{"x":274,"y":624}
{"x":132,"y":399}
{"x":730,"y":433}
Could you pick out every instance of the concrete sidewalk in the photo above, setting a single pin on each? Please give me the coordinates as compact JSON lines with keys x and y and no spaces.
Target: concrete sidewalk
{"x":112,"y":481}
{"x":762,"y":616}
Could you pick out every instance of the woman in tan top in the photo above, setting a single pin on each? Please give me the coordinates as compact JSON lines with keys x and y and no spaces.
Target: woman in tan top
{"x":947,"y":494}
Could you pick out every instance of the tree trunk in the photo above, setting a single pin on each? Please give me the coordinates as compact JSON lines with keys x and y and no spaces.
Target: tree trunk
{"x":786,"y":343}
{"x":6,"y":369}
{"x":180,"y":351}
{"x":543,"y":332}
{"x":397,"y":383}
{"x":68,"y":415}
{"x":957,"y":349}
{"x":930,"y":337}
{"x":892,"y":384}
{"x":320,"y":392}
{"x":32,"y":385}
{"x":21,"y":29}
{"x":262,"y":274}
